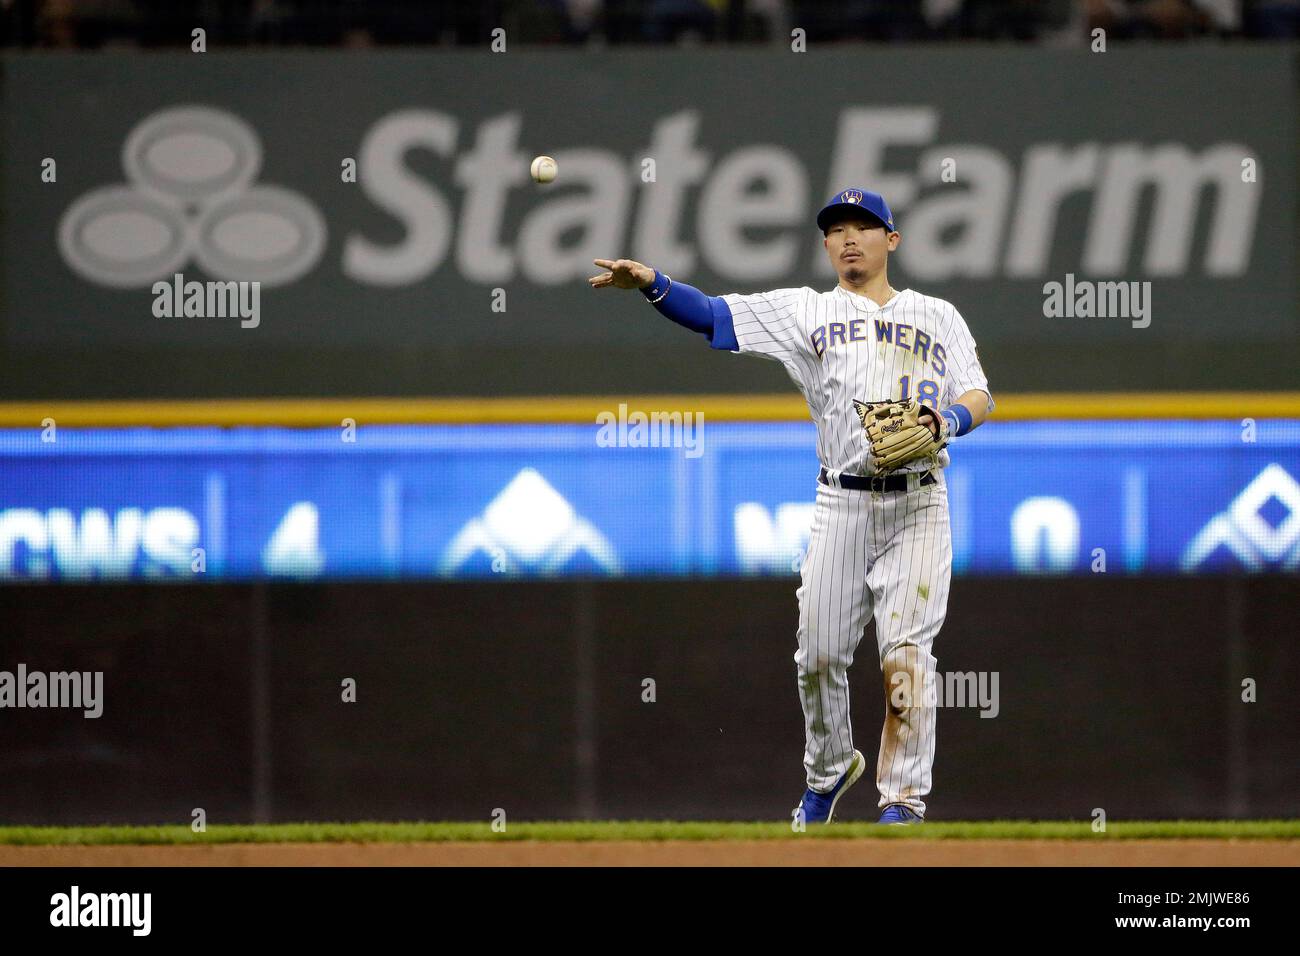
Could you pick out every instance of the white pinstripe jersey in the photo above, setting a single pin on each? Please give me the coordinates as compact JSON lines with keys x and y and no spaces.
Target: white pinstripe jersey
{"x":838,"y":346}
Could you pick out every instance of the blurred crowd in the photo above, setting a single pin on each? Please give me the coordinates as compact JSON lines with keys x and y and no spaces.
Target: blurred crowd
{"x":150,"y":23}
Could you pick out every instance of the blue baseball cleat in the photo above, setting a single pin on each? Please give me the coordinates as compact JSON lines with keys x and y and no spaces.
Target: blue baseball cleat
{"x":896,"y":814}
{"x":820,"y":807}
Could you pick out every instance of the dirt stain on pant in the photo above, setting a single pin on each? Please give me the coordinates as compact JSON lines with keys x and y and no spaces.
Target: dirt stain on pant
{"x":904,"y":673}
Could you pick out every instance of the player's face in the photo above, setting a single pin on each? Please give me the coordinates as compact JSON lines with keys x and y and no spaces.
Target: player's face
{"x":858,"y":248}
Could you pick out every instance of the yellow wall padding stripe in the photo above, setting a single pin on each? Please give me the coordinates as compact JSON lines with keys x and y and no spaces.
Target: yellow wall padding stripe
{"x":306,"y":412}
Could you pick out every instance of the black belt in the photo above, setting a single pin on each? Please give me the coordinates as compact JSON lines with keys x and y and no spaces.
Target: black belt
{"x":878,"y":483}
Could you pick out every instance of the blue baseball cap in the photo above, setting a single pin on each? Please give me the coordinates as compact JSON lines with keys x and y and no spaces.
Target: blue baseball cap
{"x":855,"y":201}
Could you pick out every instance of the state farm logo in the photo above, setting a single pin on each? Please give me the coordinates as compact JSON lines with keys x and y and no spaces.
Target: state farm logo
{"x":191,"y":197}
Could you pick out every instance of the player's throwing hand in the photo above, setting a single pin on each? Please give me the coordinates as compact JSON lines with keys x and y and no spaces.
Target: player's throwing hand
{"x":623,"y":274}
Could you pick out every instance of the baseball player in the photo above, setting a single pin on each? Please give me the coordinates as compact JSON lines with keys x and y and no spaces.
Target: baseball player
{"x":891,"y":378}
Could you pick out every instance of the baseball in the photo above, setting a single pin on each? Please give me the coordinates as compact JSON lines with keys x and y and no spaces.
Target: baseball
{"x":543,"y":170}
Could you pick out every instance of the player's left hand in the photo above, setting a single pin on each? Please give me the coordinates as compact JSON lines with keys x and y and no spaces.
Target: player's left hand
{"x":927,"y":418}
{"x":900,"y":432}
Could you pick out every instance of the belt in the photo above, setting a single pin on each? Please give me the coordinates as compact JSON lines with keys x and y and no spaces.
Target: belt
{"x":878,"y":483}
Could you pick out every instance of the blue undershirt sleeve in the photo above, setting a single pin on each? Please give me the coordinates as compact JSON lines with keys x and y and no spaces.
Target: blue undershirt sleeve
{"x":691,"y":308}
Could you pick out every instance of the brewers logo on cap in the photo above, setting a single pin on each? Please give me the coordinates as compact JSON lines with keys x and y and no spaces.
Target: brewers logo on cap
{"x":849,"y":202}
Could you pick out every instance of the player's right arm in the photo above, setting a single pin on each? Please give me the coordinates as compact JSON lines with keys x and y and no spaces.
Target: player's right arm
{"x":684,"y":304}
{"x":762,"y":324}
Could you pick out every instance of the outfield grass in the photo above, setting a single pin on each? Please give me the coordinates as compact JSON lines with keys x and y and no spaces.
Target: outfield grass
{"x":644,"y":830}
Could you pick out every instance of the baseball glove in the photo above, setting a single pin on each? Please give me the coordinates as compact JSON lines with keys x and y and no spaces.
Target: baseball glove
{"x":897,"y":434}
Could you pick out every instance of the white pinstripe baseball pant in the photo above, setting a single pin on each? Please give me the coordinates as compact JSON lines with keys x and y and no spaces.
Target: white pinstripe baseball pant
{"x":889,"y":553}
